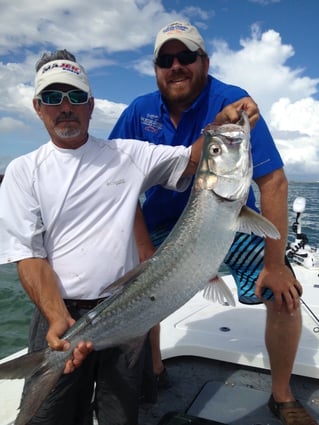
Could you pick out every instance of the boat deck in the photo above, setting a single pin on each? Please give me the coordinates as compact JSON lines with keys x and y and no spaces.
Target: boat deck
{"x":223,"y":392}
{"x":236,"y":334}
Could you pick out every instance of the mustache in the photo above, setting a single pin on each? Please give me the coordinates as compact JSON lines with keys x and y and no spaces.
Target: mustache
{"x":180,"y":72}
{"x":67,"y":116}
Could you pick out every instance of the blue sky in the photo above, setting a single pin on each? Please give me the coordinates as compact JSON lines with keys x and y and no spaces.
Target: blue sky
{"x":268,"y":47}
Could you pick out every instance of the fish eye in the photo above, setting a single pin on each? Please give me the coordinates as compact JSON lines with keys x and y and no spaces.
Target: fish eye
{"x":214,"y":149}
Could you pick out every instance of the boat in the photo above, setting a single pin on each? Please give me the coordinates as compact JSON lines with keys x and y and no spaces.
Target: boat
{"x":217,"y":361}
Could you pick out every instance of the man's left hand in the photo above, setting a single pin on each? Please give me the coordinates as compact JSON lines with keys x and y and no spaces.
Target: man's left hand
{"x":81,"y":351}
{"x":285,"y":287}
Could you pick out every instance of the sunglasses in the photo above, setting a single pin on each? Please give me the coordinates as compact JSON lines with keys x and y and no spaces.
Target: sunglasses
{"x":185,"y":57}
{"x":55,"y":97}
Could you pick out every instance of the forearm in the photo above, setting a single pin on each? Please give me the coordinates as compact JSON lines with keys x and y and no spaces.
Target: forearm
{"x":144,"y":244}
{"x":274,"y":206}
{"x":39,"y":281}
{"x":194,"y":158}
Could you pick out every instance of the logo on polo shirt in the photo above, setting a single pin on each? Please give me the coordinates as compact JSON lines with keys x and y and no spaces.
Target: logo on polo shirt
{"x":151,"y":123}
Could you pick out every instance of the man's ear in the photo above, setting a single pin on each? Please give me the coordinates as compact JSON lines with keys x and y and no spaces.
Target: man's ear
{"x":91,"y":105}
{"x":36,"y":107}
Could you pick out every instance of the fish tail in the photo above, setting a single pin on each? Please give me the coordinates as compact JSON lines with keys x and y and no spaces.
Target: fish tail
{"x":42,"y":379}
{"x":38,"y":389}
{"x":217,"y":290}
{"x":23,"y":366}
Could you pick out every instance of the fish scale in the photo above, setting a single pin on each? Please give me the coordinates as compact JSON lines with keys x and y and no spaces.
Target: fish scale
{"x":190,"y":256}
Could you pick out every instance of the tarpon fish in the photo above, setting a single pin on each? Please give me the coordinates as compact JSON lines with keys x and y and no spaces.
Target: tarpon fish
{"x":184,"y":264}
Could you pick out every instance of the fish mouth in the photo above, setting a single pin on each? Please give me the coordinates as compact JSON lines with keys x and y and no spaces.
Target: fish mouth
{"x":222,"y":198}
{"x":224,"y":187}
{"x":228,"y":197}
{"x":228,"y":192}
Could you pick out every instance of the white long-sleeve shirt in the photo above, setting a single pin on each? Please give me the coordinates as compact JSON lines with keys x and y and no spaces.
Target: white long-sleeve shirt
{"x":77,"y":207}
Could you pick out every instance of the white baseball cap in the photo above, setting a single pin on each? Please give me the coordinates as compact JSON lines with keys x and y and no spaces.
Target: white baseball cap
{"x":61,"y":71}
{"x":182,"y":31}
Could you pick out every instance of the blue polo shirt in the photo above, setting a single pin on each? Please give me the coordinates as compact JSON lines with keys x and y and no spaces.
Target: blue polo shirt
{"x":147,"y":118}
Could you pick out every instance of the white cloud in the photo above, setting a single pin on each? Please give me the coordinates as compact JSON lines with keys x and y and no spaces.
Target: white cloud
{"x":259,"y":67}
{"x":145,"y":66}
{"x":115,"y":25}
{"x":98,"y":33}
{"x":8,"y":124}
{"x":296,"y":116}
{"x":91,"y":31}
{"x":105,"y":116}
{"x":296,"y":131}
{"x":283,"y":95}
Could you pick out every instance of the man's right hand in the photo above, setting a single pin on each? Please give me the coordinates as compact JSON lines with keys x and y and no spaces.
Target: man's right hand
{"x":231,"y":112}
{"x":80,"y":352}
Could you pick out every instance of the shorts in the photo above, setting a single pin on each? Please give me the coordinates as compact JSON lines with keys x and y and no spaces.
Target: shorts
{"x":103,"y":383}
{"x":245,"y":260}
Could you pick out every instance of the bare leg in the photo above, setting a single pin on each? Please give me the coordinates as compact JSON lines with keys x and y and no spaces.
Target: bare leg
{"x":282,"y":337}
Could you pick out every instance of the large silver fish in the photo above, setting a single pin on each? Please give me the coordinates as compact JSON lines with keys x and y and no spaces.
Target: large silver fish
{"x":188,"y":259}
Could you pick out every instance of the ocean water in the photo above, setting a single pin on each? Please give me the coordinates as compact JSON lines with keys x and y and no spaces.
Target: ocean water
{"x":16,"y":308}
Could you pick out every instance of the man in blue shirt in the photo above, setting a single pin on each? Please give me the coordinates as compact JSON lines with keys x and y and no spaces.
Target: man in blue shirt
{"x":187,"y":100}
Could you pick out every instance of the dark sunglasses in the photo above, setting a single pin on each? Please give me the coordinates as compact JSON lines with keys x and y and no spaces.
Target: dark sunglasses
{"x":185,"y":57}
{"x":55,"y":97}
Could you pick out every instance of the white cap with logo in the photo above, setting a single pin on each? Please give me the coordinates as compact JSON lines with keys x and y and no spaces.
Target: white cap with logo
{"x":61,"y":71}
{"x":182,"y":31}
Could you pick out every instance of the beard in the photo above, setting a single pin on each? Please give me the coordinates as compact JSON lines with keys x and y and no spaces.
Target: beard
{"x":70,"y":127}
{"x":67,"y":132}
{"x":182,"y":95}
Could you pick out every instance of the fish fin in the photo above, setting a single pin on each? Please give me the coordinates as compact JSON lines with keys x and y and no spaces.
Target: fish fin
{"x":41,"y":384}
{"x":250,"y":221}
{"x":43,"y":378}
{"x":133,"y":349}
{"x":23,"y":366}
{"x":217,"y":290}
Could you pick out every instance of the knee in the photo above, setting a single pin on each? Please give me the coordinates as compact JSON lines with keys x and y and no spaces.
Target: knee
{"x":282,"y":316}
